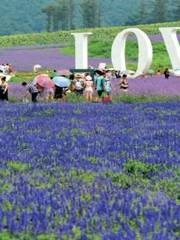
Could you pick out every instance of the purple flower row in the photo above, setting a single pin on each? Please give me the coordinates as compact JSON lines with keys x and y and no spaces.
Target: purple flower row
{"x":155,"y":85}
{"x":63,"y":170}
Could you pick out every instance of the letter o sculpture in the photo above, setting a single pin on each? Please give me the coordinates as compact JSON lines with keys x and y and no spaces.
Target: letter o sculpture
{"x":145,"y":51}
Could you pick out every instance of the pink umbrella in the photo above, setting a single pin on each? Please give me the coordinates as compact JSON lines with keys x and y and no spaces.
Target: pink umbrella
{"x":44,"y":81}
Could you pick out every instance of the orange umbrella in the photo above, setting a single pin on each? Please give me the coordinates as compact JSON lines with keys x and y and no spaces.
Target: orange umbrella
{"x":44,"y":81}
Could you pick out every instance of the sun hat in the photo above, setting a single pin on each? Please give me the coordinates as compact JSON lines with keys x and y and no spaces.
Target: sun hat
{"x":78,"y":75}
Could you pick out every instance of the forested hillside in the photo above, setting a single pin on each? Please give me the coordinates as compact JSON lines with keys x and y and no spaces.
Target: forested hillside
{"x":26,"y":16}
{"x":22,"y":16}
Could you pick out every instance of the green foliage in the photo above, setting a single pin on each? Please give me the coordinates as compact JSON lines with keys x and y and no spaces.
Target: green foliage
{"x":125,"y":181}
{"x":77,"y":232}
{"x":22,"y":16}
{"x":128,"y":98}
{"x":135,"y":167}
{"x":86,"y":197}
{"x":90,"y":13}
{"x":4,"y":172}
{"x":26,"y":236}
{"x":74,"y":98}
{"x":171,"y":187}
{"x":23,"y":77}
{"x":106,"y":35}
{"x":18,"y":166}
{"x":7,"y":206}
{"x":122,"y":180}
{"x":83,"y":176}
{"x":46,"y":237}
{"x":19,"y":16}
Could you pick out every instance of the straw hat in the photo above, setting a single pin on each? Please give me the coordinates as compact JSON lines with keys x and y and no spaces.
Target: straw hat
{"x":78,"y":75}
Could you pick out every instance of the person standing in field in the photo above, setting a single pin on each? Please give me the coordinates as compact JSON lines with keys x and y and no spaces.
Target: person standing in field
{"x":88,"y":88}
{"x":124,"y":83}
{"x":3,"y":89}
{"x":100,"y":84}
{"x":108,"y":78}
{"x":79,"y":84}
{"x":34,"y":90}
{"x":166,"y":73}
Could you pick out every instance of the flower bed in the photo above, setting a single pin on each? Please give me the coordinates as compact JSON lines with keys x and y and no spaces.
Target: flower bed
{"x":89,"y":171}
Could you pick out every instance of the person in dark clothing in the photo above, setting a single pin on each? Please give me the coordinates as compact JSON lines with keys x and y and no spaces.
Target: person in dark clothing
{"x":117,"y":74}
{"x":58,"y":92}
{"x":124,"y":83}
{"x":166,"y":73}
{"x":3,"y":89}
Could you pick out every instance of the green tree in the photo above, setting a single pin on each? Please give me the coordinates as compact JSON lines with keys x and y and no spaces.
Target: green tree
{"x":159,"y":11}
{"x":49,"y":11}
{"x":176,"y":12}
{"x":141,"y":16}
{"x":91,"y":13}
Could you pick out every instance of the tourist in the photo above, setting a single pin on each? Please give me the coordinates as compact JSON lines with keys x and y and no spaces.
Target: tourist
{"x":117,"y":74}
{"x":158,"y":73}
{"x":37,"y":68}
{"x":88,"y":88}
{"x":2,"y":68}
{"x":79,"y":84}
{"x":99,"y":81}
{"x":58,"y":94}
{"x":124,"y":83}
{"x":34,"y":90}
{"x":49,"y":94}
{"x":3,"y":89}
{"x":108,"y":78}
{"x":25,"y":92}
{"x":166,"y":73}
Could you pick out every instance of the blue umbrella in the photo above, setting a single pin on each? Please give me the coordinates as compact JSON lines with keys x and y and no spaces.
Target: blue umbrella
{"x":61,"y":81}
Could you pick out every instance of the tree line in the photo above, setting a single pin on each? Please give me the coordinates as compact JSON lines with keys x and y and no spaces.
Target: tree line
{"x":72,"y":14}
{"x":67,"y":14}
{"x":25,"y":16}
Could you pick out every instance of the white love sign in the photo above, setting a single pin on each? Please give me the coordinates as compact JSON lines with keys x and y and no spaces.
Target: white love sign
{"x":118,"y":57}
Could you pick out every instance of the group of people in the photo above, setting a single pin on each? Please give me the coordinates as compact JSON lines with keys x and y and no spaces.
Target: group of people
{"x":166,"y":73}
{"x":99,"y":84}
{"x":96,"y":87}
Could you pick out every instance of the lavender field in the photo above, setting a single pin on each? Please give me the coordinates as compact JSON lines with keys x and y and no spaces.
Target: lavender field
{"x":149,"y":86}
{"x":24,"y":58}
{"x":90,"y":171}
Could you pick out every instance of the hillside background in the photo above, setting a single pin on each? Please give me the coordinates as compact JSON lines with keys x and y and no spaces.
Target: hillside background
{"x":26,"y":16}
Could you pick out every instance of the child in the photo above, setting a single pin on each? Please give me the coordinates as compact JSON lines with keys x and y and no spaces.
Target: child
{"x":79,"y":84}
{"x":124,"y":83}
{"x":88,"y":88}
